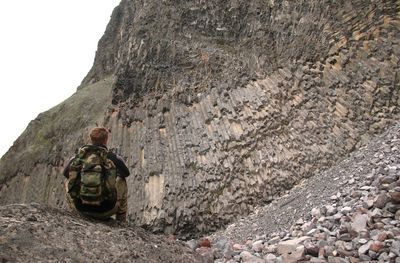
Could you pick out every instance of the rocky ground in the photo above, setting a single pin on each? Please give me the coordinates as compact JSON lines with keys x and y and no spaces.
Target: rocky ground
{"x":349,"y":213}
{"x":346,"y":214}
{"x":37,"y":233}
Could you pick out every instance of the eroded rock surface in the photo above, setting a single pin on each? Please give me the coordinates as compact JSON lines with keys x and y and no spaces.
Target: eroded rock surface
{"x":219,"y":106}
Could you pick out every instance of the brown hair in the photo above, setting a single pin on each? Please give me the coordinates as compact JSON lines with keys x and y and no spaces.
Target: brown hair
{"x":99,"y":135}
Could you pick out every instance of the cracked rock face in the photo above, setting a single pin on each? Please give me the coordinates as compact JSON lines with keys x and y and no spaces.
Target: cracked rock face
{"x":218,"y":106}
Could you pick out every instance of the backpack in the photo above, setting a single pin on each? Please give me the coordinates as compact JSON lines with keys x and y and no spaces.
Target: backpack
{"x":92,"y":177}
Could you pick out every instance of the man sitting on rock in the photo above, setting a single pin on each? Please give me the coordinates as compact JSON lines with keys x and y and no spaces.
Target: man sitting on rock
{"x":96,"y":185}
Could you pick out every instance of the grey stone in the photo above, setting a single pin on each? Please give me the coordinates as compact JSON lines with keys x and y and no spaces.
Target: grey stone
{"x":317,"y":260}
{"x":311,"y":248}
{"x":332,"y":259}
{"x":346,"y":210}
{"x":330,"y":251}
{"x":395,"y":248}
{"x":394,"y":232}
{"x":359,"y":222}
{"x":392,"y":255}
{"x":294,"y":256}
{"x":222,"y":248}
{"x":270,"y":249}
{"x":258,"y":246}
{"x":387,"y":180}
{"x":376,"y":213}
{"x":274,"y":240}
{"x":392,"y":208}
{"x":307,"y":227}
{"x":373,"y":255}
{"x":364,"y":257}
{"x":290,"y":246}
{"x":364,"y":248}
{"x":270,"y":258}
{"x":365,"y":188}
{"x":348,"y":246}
{"x":340,"y":244}
{"x":312,"y":232}
{"x":330,"y":210}
{"x":334,"y":198}
{"x":384,"y":257}
{"x":362,"y":241}
{"x":381,"y":200}
{"x":206,"y":253}
{"x":239,"y":247}
{"x":345,"y":237}
{"x":368,"y":204}
{"x":192,"y":244}
{"x":247,"y":257}
{"x":237,"y":258}
{"x":344,"y":253}
{"x":316,"y":212}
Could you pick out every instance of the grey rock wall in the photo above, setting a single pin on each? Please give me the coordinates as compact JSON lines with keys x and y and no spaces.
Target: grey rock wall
{"x":219,"y":106}
{"x":202,"y":157}
{"x":205,"y":164}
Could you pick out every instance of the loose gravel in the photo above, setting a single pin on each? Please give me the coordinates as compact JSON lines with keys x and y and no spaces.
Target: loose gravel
{"x":349,"y":213}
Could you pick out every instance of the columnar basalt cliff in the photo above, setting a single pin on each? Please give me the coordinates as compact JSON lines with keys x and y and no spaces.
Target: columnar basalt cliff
{"x":218,"y":106}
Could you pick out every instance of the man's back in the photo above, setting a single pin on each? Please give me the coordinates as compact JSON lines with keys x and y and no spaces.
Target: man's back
{"x":122,"y":169}
{"x":94,"y":176}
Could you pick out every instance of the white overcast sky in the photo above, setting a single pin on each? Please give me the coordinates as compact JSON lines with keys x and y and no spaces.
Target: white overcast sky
{"x":46,"y":49}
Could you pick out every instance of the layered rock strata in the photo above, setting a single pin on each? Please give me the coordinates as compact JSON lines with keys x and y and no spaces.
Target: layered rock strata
{"x":218,"y":106}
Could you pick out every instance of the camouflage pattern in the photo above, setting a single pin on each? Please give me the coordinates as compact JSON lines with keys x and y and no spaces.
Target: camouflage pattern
{"x":120,"y":209}
{"x":92,"y":181}
{"x":96,"y":182}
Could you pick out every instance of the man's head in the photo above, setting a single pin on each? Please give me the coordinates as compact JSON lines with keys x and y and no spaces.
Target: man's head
{"x":99,"y":135}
